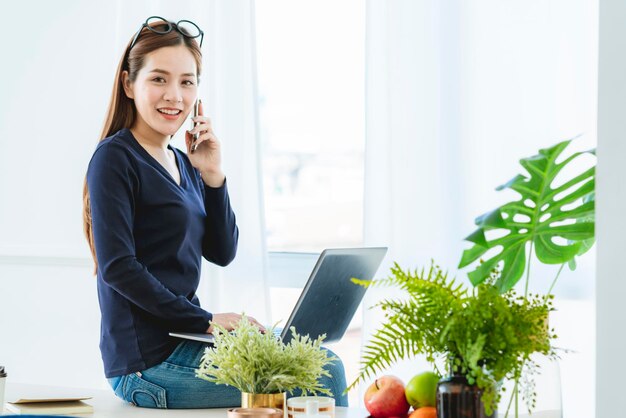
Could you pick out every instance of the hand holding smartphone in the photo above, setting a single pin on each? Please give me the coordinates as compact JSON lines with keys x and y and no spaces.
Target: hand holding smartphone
{"x":193,"y":123}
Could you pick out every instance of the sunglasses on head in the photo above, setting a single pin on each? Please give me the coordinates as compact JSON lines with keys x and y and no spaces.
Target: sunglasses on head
{"x":162,"y":26}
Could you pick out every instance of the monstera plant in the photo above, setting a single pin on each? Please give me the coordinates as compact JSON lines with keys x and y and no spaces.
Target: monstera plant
{"x":542,"y":216}
{"x":554,"y":215}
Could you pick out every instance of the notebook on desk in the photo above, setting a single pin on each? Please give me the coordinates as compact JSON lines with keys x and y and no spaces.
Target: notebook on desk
{"x":48,"y":401}
{"x":49,"y":408}
{"x":329,"y":298}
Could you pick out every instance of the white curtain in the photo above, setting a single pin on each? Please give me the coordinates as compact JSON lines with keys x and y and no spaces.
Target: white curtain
{"x":456,"y":93}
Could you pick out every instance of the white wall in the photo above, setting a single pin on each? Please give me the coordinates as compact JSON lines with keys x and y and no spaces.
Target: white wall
{"x":611,"y":210}
{"x":58,"y":62}
{"x":49,"y":326}
{"x":55,"y":80}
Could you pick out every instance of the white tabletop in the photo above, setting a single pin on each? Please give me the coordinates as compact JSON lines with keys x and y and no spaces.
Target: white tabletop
{"x":107,"y":405}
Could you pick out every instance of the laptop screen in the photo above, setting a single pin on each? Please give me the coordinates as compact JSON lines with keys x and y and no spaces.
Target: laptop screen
{"x":329,"y":299}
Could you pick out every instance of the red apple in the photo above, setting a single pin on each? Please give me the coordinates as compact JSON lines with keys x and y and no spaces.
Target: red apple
{"x":385,"y":398}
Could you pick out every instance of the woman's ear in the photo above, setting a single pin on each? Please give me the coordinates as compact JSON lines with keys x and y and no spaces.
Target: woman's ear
{"x":126,"y":85}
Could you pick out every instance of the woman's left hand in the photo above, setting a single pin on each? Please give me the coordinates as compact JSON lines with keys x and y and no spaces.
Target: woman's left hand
{"x":207,"y":154}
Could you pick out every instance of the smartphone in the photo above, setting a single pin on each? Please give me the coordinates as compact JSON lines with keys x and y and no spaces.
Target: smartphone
{"x":193,"y":124}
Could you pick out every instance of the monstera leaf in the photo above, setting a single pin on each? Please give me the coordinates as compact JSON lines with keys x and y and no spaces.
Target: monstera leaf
{"x":541,"y":216}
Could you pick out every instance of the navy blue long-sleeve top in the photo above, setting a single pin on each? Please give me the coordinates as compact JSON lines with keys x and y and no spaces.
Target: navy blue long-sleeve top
{"x":150,"y":235}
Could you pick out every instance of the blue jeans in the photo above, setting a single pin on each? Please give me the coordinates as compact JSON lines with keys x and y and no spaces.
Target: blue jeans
{"x":173,"y":383}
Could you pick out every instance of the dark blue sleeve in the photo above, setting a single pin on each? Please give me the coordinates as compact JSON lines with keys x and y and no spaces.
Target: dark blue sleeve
{"x":113,"y":185}
{"x":219,"y":244}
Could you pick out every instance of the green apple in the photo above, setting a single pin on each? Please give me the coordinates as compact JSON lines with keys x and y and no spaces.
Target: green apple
{"x":422,"y":389}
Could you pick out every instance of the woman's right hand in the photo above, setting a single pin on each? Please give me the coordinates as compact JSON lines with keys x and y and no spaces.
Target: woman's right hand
{"x":230,"y":321}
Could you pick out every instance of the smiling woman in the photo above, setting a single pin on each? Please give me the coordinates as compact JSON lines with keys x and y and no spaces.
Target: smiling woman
{"x":157,"y":83}
{"x":164,"y":91}
{"x":135,"y":180}
{"x":151,"y":213}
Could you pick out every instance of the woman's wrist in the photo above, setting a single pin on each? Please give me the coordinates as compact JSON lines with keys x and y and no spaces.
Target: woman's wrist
{"x":213,"y":178}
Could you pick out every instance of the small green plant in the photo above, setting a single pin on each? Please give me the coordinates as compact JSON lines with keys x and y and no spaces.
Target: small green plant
{"x":261,"y":364}
{"x":490,"y":335}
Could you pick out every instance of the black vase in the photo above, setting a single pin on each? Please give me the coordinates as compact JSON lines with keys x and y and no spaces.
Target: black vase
{"x":458,"y":399}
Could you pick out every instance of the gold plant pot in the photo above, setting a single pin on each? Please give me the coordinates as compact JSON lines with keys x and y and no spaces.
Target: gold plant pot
{"x":264,"y":400}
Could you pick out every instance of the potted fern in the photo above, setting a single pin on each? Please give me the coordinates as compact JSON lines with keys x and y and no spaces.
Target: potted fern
{"x":262,"y":367}
{"x":480,"y":333}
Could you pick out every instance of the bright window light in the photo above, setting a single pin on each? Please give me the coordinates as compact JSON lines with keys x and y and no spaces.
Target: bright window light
{"x":310,"y":58}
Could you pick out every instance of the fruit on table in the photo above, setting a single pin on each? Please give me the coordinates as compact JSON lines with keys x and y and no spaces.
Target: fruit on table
{"x":385,"y":398}
{"x":422,"y":389}
{"x":424,"y":412}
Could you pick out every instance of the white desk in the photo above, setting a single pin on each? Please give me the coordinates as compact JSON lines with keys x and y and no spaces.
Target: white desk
{"x":107,"y":405}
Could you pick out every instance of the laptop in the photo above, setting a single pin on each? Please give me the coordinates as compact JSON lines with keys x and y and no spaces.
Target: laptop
{"x":329,"y":299}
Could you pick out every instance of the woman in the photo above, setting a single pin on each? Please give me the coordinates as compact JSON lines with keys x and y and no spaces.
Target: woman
{"x":150,"y":213}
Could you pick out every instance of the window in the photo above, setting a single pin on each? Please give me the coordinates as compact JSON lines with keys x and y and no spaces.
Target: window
{"x":311,"y":89}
